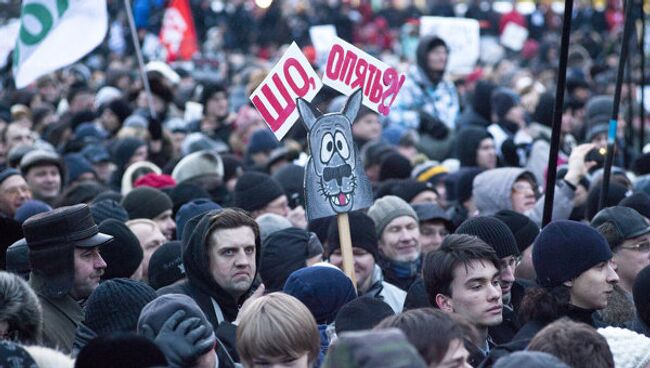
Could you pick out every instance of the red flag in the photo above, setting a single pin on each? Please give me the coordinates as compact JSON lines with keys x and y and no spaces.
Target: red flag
{"x":177,"y":33}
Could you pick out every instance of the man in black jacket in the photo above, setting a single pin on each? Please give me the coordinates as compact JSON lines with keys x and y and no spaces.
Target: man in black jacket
{"x":220,"y":259}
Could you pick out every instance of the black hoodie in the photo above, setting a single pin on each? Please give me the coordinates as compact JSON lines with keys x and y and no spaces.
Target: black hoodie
{"x":202,"y":287}
{"x":427,"y":44}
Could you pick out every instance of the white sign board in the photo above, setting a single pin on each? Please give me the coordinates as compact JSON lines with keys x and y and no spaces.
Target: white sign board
{"x":349,"y":68}
{"x":514,"y":36}
{"x":9,"y":34}
{"x":322,"y":37}
{"x":275,"y":98}
{"x":462,"y":36}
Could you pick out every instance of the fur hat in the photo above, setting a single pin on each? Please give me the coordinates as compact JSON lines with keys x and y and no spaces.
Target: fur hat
{"x":629,"y":349}
{"x":20,"y":309}
{"x":198,"y":164}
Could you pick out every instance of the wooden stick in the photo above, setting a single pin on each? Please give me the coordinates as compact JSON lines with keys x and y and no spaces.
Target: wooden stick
{"x":346,"y":246}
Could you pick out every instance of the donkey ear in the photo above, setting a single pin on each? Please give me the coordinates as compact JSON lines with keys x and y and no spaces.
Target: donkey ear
{"x":353,"y":105}
{"x":307,"y":113}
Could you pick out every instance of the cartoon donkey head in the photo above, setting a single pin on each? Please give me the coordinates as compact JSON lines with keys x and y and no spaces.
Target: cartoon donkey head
{"x":334,"y":158}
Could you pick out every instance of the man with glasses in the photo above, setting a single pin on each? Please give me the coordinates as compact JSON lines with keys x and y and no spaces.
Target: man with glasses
{"x":499,"y":237}
{"x":14,"y":191}
{"x":628,"y":236}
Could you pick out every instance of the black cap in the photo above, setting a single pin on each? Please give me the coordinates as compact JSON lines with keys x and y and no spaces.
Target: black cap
{"x":628,"y":222}
{"x":72,"y":224}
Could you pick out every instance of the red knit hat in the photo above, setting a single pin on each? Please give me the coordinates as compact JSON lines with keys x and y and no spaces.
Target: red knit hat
{"x":159,"y":181}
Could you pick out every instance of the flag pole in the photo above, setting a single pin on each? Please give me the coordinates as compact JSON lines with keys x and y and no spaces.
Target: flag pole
{"x":557,"y":114}
{"x":642,"y":104}
{"x":138,"y":53}
{"x":613,"y":123}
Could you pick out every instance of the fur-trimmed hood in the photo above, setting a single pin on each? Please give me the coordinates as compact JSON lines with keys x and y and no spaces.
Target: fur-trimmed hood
{"x":20,"y":308}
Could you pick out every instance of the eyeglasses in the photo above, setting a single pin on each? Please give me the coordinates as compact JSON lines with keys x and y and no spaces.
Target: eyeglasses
{"x":642,"y":247}
{"x":510,"y":262}
{"x":522,"y":187}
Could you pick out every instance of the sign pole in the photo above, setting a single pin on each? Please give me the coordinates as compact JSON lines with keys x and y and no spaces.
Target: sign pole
{"x":613,"y":123}
{"x":557,"y":114}
{"x":346,"y":246}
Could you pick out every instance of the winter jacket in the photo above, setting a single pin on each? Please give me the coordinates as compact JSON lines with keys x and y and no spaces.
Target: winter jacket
{"x":620,"y":308}
{"x":637,"y":325}
{"x":400,"y":274}
{"x":201,"y":286}
{"x":492,"y":190}
{"x":438,"y":98}
{"x":390,"y":294}
{"x":61,"y":316}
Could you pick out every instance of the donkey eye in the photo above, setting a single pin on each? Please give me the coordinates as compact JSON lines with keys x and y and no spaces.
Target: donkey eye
{"x":326,"y":148}
{"x":342,"y":145}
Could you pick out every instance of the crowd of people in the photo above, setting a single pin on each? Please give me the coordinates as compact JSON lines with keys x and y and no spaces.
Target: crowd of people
{"x":176,"y":234}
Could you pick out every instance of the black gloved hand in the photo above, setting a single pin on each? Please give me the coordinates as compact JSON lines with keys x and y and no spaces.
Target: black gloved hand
{"x":432,"y":126}
{"x":182,"y":340}
{"x":154,"y":127}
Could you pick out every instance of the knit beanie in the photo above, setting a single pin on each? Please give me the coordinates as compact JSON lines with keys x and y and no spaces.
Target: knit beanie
{"x":481,"y":99}
{"x":120,"y":350}
{"x":363,"y":313}
{"x":363,"y":234}
{"x":159,"y":310}
{"x":7,"y":173}
{"x":598,"y":111}
{"x":232,"y":166}
{"x":108,"y":194}
{"x":124,"y":149}
{"x":158,"y":181}
{"x":124,"y":255}
{"x":565,"y":249}
{"x":292,"y":179}
{"x":76,"y":165}
{"x":544,"y":109}
{"x":146,"y":202}
{"x":108,"y":209}
{"x":394,"y":166}
{"x":254,"y":191}
{"x":493,"y":232}
{"x":115,"y":305}
{"x":522,"y":227}
{"x":166,"y":265}
{"x":322,"y":289}
{"x":638,"y":201}
{"x":184,"y":193}
{"x":629,"y":349}
{"x":641,"y":294}
{"x":270,"y":223}
{"x":502,"y":100}
{"x":262,"y":140}
{"x":615,"y":194}
{"x":191,"y":209}
{"x":283,"y":252}
{"x":467,"y":143}
{"x":408,"y":189}
{"x":30,"y":208}
{"x":388,"y":208}
{"x":530,"y":359}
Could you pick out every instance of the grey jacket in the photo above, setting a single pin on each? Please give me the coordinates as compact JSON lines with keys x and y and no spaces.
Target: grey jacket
{"x":492,"y":190}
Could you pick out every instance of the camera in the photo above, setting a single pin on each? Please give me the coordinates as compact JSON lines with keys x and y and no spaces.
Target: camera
{"x":597,"y":155}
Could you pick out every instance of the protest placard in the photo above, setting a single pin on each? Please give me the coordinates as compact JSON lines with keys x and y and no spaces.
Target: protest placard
{"x":275,"y":98}
{"x":461,"y":36}
{"x":322,"y":37}
{"x":514,"y":36}
{"x":349,"y":68}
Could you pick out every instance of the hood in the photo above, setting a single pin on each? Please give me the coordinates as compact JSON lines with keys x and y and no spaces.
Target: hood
{"x":467,"y":142}
{"x":491,"y":190}
{"x":425,"y":45}
{"x":195,"y":259}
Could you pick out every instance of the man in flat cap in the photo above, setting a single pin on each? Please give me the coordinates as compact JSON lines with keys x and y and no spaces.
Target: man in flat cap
{"x":66,"y":268}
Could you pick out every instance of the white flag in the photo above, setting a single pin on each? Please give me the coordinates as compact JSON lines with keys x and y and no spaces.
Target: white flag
{"x":56,"y":33}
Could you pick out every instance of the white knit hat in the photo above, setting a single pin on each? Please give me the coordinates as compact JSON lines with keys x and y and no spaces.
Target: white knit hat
{"x":630,"y":349}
